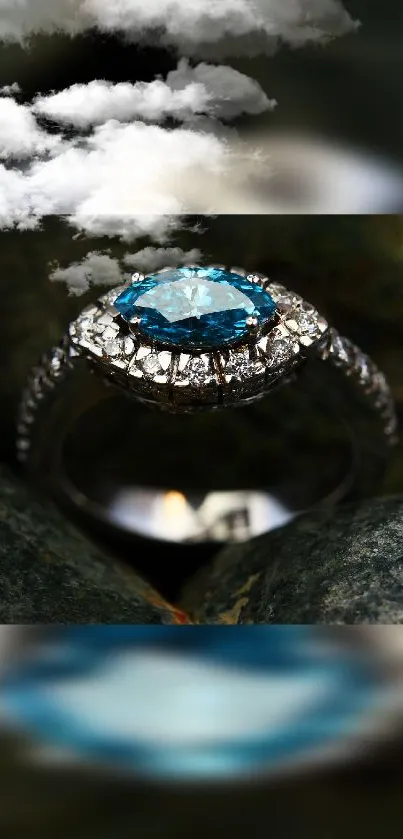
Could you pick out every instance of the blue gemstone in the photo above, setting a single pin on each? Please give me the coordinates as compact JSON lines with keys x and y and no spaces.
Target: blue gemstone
{"x":195,"y":308}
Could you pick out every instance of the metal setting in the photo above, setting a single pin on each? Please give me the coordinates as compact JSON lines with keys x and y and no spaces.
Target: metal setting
{"x":178,"y":381}
{"x":186,"y":381}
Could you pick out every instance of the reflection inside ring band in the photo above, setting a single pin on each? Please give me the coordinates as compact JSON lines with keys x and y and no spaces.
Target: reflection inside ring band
{"x":216,"y":516}
{"x":209,"y":478}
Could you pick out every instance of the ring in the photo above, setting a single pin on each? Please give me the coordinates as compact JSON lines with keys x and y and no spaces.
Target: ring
{"x":192,"y":341}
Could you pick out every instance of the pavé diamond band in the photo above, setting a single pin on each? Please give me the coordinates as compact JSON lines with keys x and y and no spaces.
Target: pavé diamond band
{"x":199,"y":339}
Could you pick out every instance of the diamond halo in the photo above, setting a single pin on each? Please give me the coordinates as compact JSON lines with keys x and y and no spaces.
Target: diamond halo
{"x":184,"y":378}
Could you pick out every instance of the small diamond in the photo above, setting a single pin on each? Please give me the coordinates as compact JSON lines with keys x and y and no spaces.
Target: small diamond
{"x":194,"y":369}
{"x":198,"y":369}
{"x":91,"y":347}
{"x":128,"y":346}
{"x":392,"y":426}
{"x":142,"y":352}
{"x":105,"y":320}
{"x":110,"y":333}
{"x":382,"y":390}
{"x":277,"y":290}
{"x":55,"y":364}
{"x":338,"y":349}
{"x":287,"y":302}
{"x":281,"y":350}
{"x":112,"y":348}
{"x":278,"y":346}
{"x":85,"y":324}
{"x":307,"y":323}
{"x":240,"y":365}
{"x":304,"y":321}
{"x":151,"y":365}
{"x":364,"y":368}
{"x":184,"y":359}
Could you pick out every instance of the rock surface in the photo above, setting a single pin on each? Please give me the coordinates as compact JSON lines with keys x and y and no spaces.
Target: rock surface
{"x":340,"y":567}
{"x":50,"y":573}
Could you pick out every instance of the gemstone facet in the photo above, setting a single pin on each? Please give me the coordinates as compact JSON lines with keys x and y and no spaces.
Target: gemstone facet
{"x":196,"y":308}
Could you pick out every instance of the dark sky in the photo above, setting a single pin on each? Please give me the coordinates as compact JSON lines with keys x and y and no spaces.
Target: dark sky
{"x":351,"y":89}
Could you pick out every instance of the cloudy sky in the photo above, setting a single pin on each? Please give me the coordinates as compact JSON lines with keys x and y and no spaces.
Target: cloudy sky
{"x":189,"y":26}
{"x":127,"y":156}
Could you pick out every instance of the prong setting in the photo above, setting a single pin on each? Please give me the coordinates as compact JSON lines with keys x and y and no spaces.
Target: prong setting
{"x":258,"y":279}
{"x":252,"y":323}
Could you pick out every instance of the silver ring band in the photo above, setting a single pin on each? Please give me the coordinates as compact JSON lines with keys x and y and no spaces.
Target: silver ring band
{"x":292,"y":349}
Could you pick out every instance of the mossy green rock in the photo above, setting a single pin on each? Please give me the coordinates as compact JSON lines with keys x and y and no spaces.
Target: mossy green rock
{"x":340,"y":567}
{"x":50,"y":573}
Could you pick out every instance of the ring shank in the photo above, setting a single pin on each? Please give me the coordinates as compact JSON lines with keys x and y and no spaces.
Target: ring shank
{"x":156,"y":498}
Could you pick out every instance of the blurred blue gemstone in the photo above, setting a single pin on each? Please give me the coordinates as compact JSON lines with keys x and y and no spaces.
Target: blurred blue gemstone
{"x":194,"y":703}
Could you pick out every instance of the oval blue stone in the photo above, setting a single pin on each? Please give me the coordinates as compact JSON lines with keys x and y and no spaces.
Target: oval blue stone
{"x":195,"y":308}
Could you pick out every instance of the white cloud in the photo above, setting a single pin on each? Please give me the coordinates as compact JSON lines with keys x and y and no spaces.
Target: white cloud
{"x":95,"y":269}
{"x":83,"y":105}
{"x":205,"y":89}
{"x":121,"y":180}
{"x":10,"y":89}
{"x":151,"y":259}
{"x":142,"y":180}
{"x":13,"y":208}
{"x":99,"y":268}
{"x":19,"y":19}
{"x":192,"y":26}
{"x":20,"y":136}
{"x":229,"y":93}
{"x":128,"y":171}
{"x":128,"y":178}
